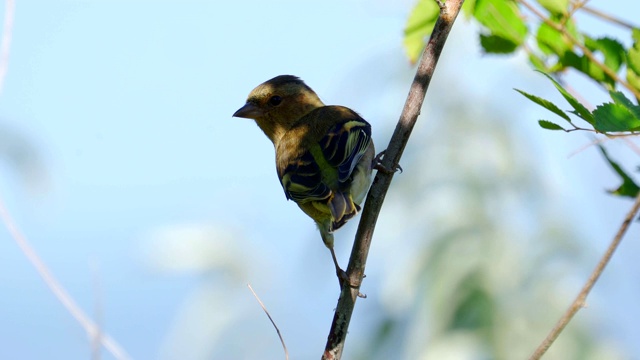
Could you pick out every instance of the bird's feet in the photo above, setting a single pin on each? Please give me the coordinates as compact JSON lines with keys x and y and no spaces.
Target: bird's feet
{"x":343,"y":279}
{"x":377,"y":164}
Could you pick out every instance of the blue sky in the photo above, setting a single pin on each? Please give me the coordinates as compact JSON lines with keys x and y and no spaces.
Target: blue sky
{"x":129,"y":105}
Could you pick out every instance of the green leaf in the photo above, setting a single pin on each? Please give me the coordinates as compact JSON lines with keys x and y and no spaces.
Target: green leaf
{"x":537,"y":62}
{"x":549,"y":125}
{"x":551,"y":41}
{"x":614,"y":55}
{"x":587,"y":67}
{"x":619,"y":98}
{"x":419,"y":25}
{"x":613,"y":51}
{"x":555,"y":6}
{"x":614,"y":118}
{"x":468,"y":7}
{"x":633,"y":78}
{"x":545,"y":104}
{"x":579,"y":109}
{"x":633,"y":60}
{"x":502,"y":19}
{"x":494,"y":44}
{"x":628,"y":187}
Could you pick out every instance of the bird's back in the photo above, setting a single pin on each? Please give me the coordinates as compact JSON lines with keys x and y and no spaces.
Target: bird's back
{"x":322,"y":136}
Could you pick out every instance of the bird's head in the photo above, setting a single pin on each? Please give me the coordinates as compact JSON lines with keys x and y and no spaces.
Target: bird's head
{"x":278,"y":103}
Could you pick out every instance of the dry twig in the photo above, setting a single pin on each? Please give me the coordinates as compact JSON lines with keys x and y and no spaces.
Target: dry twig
{"x":58,"y":291}
{"x":286,"y":352}
{"x":578,"y":303}
{"x":7,"y":34}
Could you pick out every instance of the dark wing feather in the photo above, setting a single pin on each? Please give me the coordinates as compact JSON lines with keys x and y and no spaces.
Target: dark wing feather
{"x":302,"y":180}
{"x":344,"y":145}
{"x":321,"y":154}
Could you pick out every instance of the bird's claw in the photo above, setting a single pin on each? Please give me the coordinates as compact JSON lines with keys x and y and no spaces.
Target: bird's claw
{"x":377,"y":164}
{"x":343,"y":279}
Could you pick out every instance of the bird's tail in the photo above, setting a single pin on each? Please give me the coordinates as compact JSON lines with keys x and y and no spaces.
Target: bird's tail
{"x":342,"y":209}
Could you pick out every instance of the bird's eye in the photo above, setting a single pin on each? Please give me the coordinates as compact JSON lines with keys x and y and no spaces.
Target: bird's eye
{"x":275,"y":100}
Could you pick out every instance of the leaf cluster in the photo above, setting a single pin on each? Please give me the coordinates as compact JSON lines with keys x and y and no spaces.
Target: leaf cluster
{"x":547,"y":31}
{"x":619,"y":116}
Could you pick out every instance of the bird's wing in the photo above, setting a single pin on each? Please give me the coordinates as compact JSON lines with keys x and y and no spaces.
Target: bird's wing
{"x":328,"y":157}
{"x":301,"y":180}
{"x":344,"y":145}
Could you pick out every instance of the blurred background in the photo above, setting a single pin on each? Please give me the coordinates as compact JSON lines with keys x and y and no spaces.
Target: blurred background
{"x":122,"y":165}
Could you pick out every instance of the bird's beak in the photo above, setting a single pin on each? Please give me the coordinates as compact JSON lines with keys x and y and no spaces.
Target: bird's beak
{"x":249,"y":111}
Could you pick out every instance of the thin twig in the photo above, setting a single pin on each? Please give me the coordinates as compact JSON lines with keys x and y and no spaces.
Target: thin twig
{"x":96,"y":347}
{"x":286,"y":352}
{"x":633,"y":146}
{"x":575,"y":6}
{"x":375,"y":198}
{"x":607,"y":17}
{"x":601,"y":140}
{"x":577,"y":95}
{"x":7,"y":32}
{"x":594,"y":142}
{"x":56,"y":288}
{"x":579,"y":302}
{"x":607,"y":70}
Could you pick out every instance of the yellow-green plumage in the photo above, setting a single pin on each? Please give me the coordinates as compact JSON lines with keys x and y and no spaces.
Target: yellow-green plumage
{"x":324,"y":153}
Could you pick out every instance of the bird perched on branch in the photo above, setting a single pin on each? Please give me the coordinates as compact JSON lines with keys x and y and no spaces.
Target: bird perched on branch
{"x":324,"y":154}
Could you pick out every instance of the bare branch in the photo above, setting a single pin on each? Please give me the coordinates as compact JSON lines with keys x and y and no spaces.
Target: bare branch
{"x":607,"y":17}
{"x":286,"y":352}
{"x":7,"y":32}
{"x":377,"y":193}
{"x":96,"y":341}
{"x":579,"y":302}
{"x":58,"y":291}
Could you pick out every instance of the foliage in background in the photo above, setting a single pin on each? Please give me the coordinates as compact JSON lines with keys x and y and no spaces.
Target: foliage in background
{"x":484,"y":259}
{"x":546,"y":30}
{"x":470,"y":286}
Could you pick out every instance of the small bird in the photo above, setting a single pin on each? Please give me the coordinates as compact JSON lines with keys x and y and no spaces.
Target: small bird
{"x":324,"y":154}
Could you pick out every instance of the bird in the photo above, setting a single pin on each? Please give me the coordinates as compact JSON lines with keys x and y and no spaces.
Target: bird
{"x":324,"y":153}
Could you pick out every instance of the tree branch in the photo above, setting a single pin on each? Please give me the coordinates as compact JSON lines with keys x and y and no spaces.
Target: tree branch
{"x":264,"y":308}
{"x":606,"y":17}
{"x":7,"y":34}
{"x":355,"y":270}
{"x":90,"y":327}
{"x":578,"y":303}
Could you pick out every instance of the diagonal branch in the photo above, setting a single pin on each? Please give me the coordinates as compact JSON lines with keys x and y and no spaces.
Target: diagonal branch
{"x":90,"y":327}
{"x":606,"y":17}
{"x":264,"y":308}
{"x":7,"y":34}
{"x":355,"y":271}
{"x":579,"y":301}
